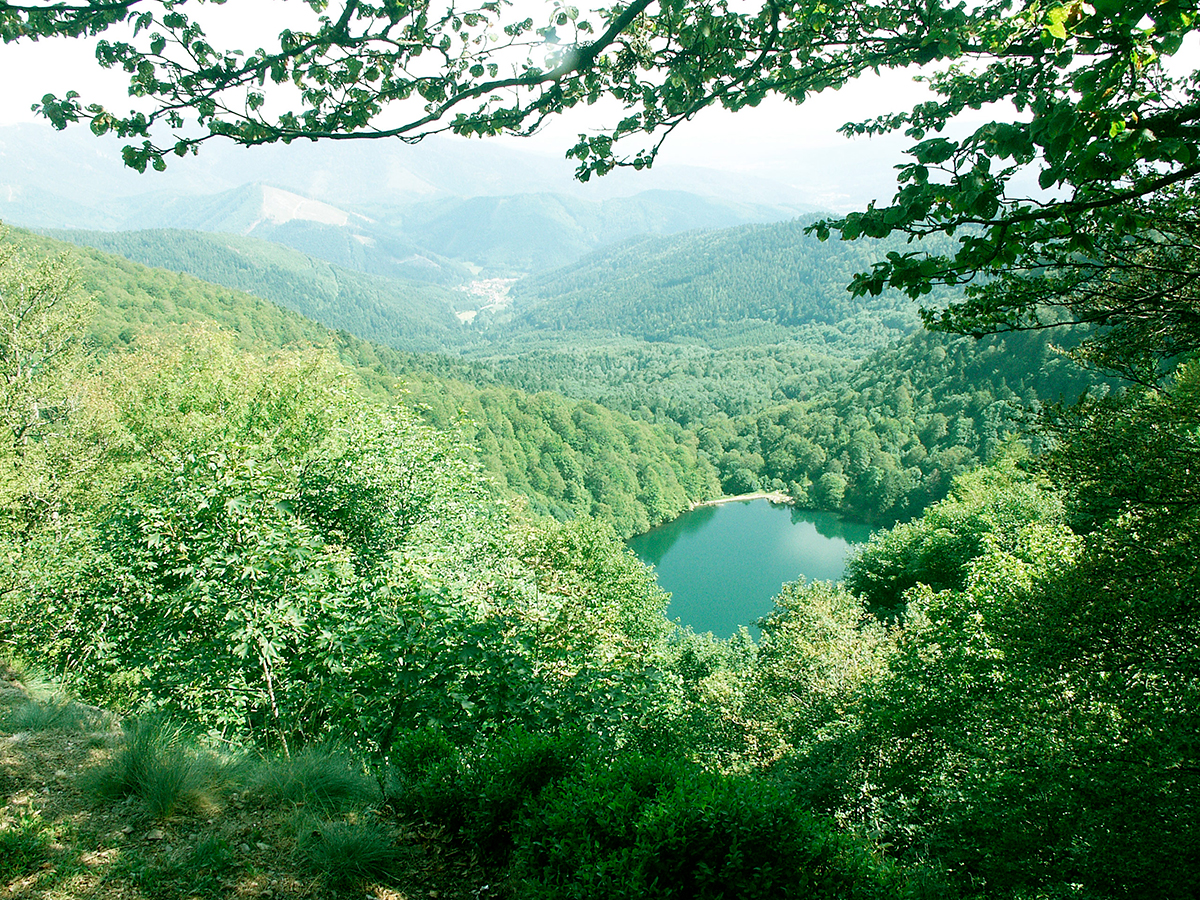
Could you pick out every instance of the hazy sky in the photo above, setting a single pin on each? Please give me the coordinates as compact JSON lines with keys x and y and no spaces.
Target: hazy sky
{"x":797,"y":146}
{"x":777,"y":140}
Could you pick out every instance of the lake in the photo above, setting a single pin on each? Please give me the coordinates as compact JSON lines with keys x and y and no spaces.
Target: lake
{"x":723,"y":564}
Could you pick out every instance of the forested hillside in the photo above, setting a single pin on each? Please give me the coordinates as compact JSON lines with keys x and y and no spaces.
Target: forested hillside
{"x":538,"y":232}
{"x":877,"y":439}
{"x":568,"y":458}
{"x":403,"y":314}
{"x":311,"y":636}
{"x":256,"y":540}
{"x":892,"y":437}
{"x":825,"y":415}
{"x":738,"y":286}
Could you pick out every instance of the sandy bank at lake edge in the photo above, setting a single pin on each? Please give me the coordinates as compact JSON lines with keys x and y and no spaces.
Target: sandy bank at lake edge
{"x":773,"y":496}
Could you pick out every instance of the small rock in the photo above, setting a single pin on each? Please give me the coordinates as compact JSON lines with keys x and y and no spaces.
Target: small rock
{"x":155,"y":834}
{"x":127,"y":830}
{"x":261,"y":846}
{"x":244,"y":848}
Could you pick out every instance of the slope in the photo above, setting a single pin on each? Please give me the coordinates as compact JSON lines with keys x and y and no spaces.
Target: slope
{"x":536,"y":232}
{"x":750,"y":284}
{"x":395,"y":312}
{"x":566,"y":458}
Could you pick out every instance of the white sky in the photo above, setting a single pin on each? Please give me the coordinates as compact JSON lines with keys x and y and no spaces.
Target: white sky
{"x":768,"y":141}
{"x":777,"y":140}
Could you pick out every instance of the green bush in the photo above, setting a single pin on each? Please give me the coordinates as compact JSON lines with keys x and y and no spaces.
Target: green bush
{"x":425,"y":778}
{"x":513,"y":772}
{"x":479,"y":795}
{"x":651,"y":828}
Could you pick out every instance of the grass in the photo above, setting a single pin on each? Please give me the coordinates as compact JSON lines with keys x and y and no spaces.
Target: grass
{"x":146,"y":812}
{"x":57,"y":713}
{"x":201,"y":870}
{"x":25,"y":844}
{"x":347,"y":853}
{"x":316,"y":779}
{"x":36,"y":704}
{"x":159,"y":767}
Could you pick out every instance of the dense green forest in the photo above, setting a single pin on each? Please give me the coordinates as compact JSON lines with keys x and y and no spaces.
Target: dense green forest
{"x":239,"y":526}
{"x":272,"y":548}
{"x":565,"y":457}
{"x":749,"y":285}
{"x":828,"y":409}
{"x":877,"y":438}
{"x":390,"y":311}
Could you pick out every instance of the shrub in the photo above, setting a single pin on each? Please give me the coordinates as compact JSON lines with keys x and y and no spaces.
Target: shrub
{"x":652,"y":828}
{"x":514,"y":771}
{"x":479,"y":795}
{"x":425,"y":779}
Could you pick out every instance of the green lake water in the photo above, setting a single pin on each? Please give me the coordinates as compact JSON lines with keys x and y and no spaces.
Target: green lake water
{"x":723,"y":564}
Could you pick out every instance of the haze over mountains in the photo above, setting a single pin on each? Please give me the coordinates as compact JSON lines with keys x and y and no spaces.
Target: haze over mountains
{"x":383,"y":208}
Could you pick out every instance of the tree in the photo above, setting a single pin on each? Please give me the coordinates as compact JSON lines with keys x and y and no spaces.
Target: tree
{"x":42,"y":458}
{"x":42,"y":313}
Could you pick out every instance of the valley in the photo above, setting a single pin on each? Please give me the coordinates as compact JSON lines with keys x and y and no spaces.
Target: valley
{"x":429,"y":516}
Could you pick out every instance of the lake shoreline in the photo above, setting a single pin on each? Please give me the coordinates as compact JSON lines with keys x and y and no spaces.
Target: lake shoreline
{"x":773,"y":496}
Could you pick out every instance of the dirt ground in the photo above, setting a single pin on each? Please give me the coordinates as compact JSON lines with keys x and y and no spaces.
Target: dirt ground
{"x":63,"y":841}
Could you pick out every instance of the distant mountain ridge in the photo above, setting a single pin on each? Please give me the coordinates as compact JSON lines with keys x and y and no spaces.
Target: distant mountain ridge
{"x":359,"y":174}
{"x":539,"y":232}
{"x":437,"y":241}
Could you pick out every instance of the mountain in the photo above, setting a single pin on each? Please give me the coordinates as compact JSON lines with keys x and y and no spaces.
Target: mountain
{"x":385,"y":209}
{"x":401,"y":314}
{"x":751,"y":284}
{"x":339,"y":236}
{"x":364,"y":175}
{"x":537,"y":232}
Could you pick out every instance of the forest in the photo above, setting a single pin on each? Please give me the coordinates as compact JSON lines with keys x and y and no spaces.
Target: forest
{"x":204,"y":477}
{"x":331,"y":588}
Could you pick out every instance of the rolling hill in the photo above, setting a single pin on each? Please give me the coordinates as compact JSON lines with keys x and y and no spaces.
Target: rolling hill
{"x":746,"y":285}
{"x":398,"y":313}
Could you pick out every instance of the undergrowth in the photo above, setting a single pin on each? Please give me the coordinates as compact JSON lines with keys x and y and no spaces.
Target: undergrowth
{"x":158,"y":764}
{"x":25,"y":844}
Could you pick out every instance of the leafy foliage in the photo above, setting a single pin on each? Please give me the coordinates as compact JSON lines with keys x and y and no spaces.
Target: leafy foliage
{"x":648,"y":827}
